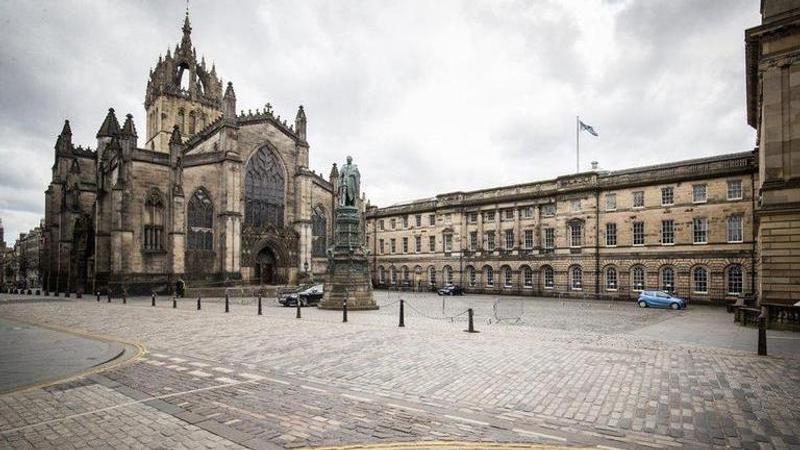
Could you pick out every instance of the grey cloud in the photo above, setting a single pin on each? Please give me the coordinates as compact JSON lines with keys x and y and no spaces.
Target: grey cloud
{"x":429,"y":97}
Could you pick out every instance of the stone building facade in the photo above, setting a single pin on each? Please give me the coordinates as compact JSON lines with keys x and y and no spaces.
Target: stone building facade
{"x":206,"y":194}
{"x":773,"y":102}
{"x":686,"y":227}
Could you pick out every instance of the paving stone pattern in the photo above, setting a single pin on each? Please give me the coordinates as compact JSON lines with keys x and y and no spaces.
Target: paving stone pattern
{"x":571,"y":373}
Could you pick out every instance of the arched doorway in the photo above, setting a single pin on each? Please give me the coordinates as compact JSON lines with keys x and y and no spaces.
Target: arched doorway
{"x":265,"y":266}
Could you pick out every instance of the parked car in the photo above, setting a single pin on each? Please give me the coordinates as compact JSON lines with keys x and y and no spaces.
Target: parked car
{"x":660,"y":299}
{"x":306,"y":295}
{"x":451,"y":289}
{"x":312,"y":296}
{"x":289,"y":296}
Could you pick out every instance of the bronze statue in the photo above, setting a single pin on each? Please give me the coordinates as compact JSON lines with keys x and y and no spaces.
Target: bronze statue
{"x":349,"y":184}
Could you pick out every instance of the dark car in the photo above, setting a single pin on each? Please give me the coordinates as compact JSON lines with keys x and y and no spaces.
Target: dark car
{"x":306,"y":295}
{"x":312,"y":296}
{"x":451,"y":289}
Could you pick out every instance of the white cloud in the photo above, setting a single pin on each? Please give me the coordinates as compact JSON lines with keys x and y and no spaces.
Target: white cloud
{"x":429,"y":97}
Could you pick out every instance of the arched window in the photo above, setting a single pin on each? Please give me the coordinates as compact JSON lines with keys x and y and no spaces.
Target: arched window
{"x":508,"y":277}
{"x":471,"y":275}
{"x":381,"y":275}
{"x":393,"y":275}
{"x":576,"y":278}
{"x":319,"y":231}
{"x":448,"y":274}
{"x":192,"y":122}
{"x":183,"y":77}
{"x":405,"y":273}
{"x":200,"y":235}
{"x":489,"y":276}
{"x":154,"y":221}
{"x":548,"y":277}
{"x":668,"y":279}
{"x":264,"y":190}
{"x":180,"y":121}
{"x":735,"y":280}
{"x":637,"y":278}
{"x":700,"y":280}
{"x":527,"y":277}
{"x":611,"y":279}
{"x":432,"y":276}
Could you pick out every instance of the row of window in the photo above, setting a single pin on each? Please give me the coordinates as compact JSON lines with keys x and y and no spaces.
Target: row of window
{"x":699,"y":236}
{"x":699,"y":195}
{"x":734,"y":277}
{"x":734,"y":230}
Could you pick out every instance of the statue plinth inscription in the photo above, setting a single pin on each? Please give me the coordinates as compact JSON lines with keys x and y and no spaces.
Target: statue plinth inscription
{"x":348,"y":264}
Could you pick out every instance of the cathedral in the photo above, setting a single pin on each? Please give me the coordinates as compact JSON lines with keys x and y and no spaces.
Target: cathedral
{"x":206,"y":195}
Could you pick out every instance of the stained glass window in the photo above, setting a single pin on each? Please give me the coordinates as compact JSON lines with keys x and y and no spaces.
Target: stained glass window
{"x":200,"y":234}
{"x":319,"y":231}
{"x":264,"y":190}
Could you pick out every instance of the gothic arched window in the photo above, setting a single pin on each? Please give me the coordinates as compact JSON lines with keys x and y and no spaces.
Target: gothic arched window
{"x":154,"y":221}
{"x":264,"y":190}
{"x":200,"y":233}
{"x":319,"y":231}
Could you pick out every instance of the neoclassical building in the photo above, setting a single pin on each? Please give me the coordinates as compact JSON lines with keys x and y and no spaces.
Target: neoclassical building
{"x":685,"y":227}
{"x":206,"y":194}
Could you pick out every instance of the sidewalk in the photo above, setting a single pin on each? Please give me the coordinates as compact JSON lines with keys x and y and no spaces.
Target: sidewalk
{"x":32,"y":355}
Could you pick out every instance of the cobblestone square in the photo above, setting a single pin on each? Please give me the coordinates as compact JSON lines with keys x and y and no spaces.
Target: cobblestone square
{"x":570,"y":372}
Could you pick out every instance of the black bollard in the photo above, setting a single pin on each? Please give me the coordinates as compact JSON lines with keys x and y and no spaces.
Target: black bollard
{"x":109,"y":299}
{"x":153,"y":299}
{"x":344,"y":310}
{"x":124,"y":298}
{"x":109,"y":295}
{"x":174,"y":303}
{"x":298,"y":316}
{"x":66,"y":294}
{"x":259,"y":304}
{"x":227,"y":307}
{"x":471,"y":328}
{"x":46,"y":293}
{"x":402,"y":315}
{"x":762,"y":335}
{"x":198,"y":303}
{"x":98,"y":296}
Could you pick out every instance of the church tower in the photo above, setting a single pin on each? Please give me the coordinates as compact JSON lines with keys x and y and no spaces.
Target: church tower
{"x":181,"y":92}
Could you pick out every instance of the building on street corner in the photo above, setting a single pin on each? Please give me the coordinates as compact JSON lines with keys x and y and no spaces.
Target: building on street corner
{"x":685,"y":227}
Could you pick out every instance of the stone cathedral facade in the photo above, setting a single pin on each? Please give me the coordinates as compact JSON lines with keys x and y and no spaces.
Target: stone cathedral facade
{"x":204,"y":194}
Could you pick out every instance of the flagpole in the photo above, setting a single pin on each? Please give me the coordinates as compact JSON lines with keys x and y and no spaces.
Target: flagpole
{"x":577,"y":144}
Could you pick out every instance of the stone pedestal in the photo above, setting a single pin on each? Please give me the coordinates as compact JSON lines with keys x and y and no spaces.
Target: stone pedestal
{"x":348,"y":266}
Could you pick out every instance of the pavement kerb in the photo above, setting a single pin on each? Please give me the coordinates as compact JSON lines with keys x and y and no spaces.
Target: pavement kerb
{"x":117,"y":361}
{"x":446,"y":445}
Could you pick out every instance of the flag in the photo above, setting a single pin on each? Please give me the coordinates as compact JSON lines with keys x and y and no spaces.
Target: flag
{"x":588,"y":128}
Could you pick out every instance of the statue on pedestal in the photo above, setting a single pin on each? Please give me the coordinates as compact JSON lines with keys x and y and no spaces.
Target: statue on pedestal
{"x":348,"y":279}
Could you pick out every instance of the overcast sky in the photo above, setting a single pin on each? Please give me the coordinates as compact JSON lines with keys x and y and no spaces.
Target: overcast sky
{"x":428,"y":96}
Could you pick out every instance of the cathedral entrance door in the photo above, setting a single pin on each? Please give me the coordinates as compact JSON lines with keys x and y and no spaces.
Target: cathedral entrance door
{"x":265,"y":266}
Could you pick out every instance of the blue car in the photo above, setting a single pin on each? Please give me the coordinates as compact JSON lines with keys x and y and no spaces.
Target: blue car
{"x":660,"y":299}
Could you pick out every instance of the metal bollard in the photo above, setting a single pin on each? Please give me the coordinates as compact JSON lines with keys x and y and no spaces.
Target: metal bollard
{"x":471,"y":328}
{"x":109,"y":295}
{"x":109,"y":299}
{"x":762,"y":335}
{"x":124,"y":297}
{"x":174,"y":302}
{"x":153,"y":299}
{"x":402,"y":315}
{"x":198,"y":303}
{"x":98,"y":296}
{"x":298,"y":316}
{"x":227,"y":307}
{"x":66,"y":294}
{"x":344,"y":310}
{"x":259,"y":304}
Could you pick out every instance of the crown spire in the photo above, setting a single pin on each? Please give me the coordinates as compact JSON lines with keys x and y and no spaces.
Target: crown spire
{"x":186,"y":42}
